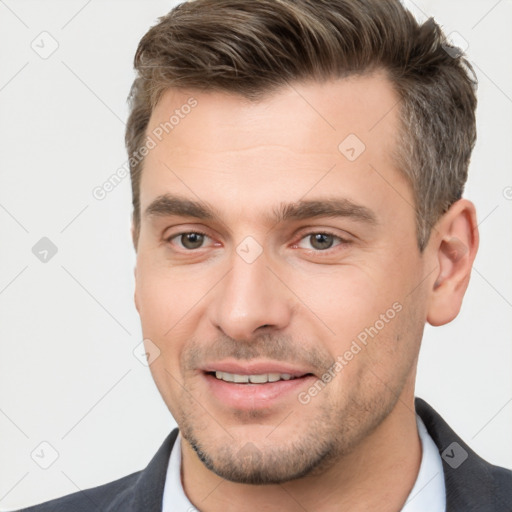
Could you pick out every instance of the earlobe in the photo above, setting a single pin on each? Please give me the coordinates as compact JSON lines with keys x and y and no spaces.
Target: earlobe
{"x":135,"y":291}
{"x":456,"y":247}
{"x":133,"y":236}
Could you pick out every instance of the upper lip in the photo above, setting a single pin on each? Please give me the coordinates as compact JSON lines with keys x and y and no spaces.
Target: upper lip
{"x":256,"y":368}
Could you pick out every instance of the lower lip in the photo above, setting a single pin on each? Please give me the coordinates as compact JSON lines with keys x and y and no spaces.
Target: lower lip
{"x":256,"y":396}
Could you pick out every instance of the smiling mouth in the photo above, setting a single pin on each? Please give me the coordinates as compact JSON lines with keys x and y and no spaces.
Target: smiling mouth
{"x":262,"y":378}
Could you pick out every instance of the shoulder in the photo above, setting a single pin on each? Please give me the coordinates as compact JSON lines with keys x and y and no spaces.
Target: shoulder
{"x":93,"y":499}
{"x":136,"y":492}
{"x":502,"y":491}
{"x":471,"y":482}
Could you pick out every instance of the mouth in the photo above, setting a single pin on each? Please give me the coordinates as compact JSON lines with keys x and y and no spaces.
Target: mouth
{"x":261,"y":378}
{"x":255,"y":386}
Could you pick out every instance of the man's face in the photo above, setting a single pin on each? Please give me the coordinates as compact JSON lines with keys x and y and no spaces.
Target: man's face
{"x":248,"y":296}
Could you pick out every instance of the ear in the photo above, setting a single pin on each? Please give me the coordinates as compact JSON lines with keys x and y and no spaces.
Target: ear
{"x":135,"y":299}
{"x":135,"y":270}
{"x":134,"y":235}
{"x":455,"y":246}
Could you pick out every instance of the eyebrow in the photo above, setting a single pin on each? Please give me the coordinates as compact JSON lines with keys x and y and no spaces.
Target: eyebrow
{"x":171,"y":205}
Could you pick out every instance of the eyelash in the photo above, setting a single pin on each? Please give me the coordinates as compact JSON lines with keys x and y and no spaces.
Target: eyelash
{"x":305,"y":235}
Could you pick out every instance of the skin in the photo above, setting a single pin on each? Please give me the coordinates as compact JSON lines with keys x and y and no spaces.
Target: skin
{"x":354,"y":445}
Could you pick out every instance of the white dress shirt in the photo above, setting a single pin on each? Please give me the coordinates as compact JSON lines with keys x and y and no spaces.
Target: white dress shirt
{"x":427,"y":495}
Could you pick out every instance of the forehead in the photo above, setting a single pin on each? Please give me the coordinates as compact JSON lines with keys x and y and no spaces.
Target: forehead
{"x":337,"y":135}
{"x":359,"y":104}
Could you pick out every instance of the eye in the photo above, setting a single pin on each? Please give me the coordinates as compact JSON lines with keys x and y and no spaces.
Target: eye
{"x":321,"y":241}
{"x":189,"y":240}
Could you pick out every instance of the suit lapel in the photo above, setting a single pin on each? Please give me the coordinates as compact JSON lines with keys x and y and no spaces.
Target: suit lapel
{"x":469,"y":483}
{"x":149,"y":487}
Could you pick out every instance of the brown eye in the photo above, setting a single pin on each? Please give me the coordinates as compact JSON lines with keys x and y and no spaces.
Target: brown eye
{"x":190,"y":240}
{"x":321,"y":241}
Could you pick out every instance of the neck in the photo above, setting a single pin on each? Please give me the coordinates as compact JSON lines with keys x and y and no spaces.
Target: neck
{"x":377,"y":475}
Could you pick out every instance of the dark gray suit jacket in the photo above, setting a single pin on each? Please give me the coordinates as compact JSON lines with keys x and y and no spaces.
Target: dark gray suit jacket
{"x":472,"y":484}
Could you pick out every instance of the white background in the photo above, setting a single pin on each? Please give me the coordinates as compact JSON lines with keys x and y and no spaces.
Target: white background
{"x":68,"y":327}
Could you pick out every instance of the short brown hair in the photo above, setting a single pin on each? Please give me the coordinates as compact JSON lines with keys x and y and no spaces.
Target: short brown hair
{"x":252,"y":48}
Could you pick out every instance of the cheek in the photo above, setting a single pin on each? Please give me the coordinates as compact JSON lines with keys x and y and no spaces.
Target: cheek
{"x":373,"y":329}
{"x":345,"y":299}
{"x":164,"y":296}
{"x":161,"y":305}
{"x":392,"y":350}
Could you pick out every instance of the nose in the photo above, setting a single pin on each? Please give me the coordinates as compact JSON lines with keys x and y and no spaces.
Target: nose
{"x":251,"y":298}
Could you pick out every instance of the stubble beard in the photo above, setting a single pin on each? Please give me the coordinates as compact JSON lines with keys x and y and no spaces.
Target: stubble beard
{"x":312,"y":451}
{"x":316,"y":442}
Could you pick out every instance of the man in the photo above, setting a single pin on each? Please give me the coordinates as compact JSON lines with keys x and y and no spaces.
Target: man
{"x":297,"y":173}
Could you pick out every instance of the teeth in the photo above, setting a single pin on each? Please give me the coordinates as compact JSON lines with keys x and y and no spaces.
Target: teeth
{"x":258,"y":379}
{"x":253,"y":379}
